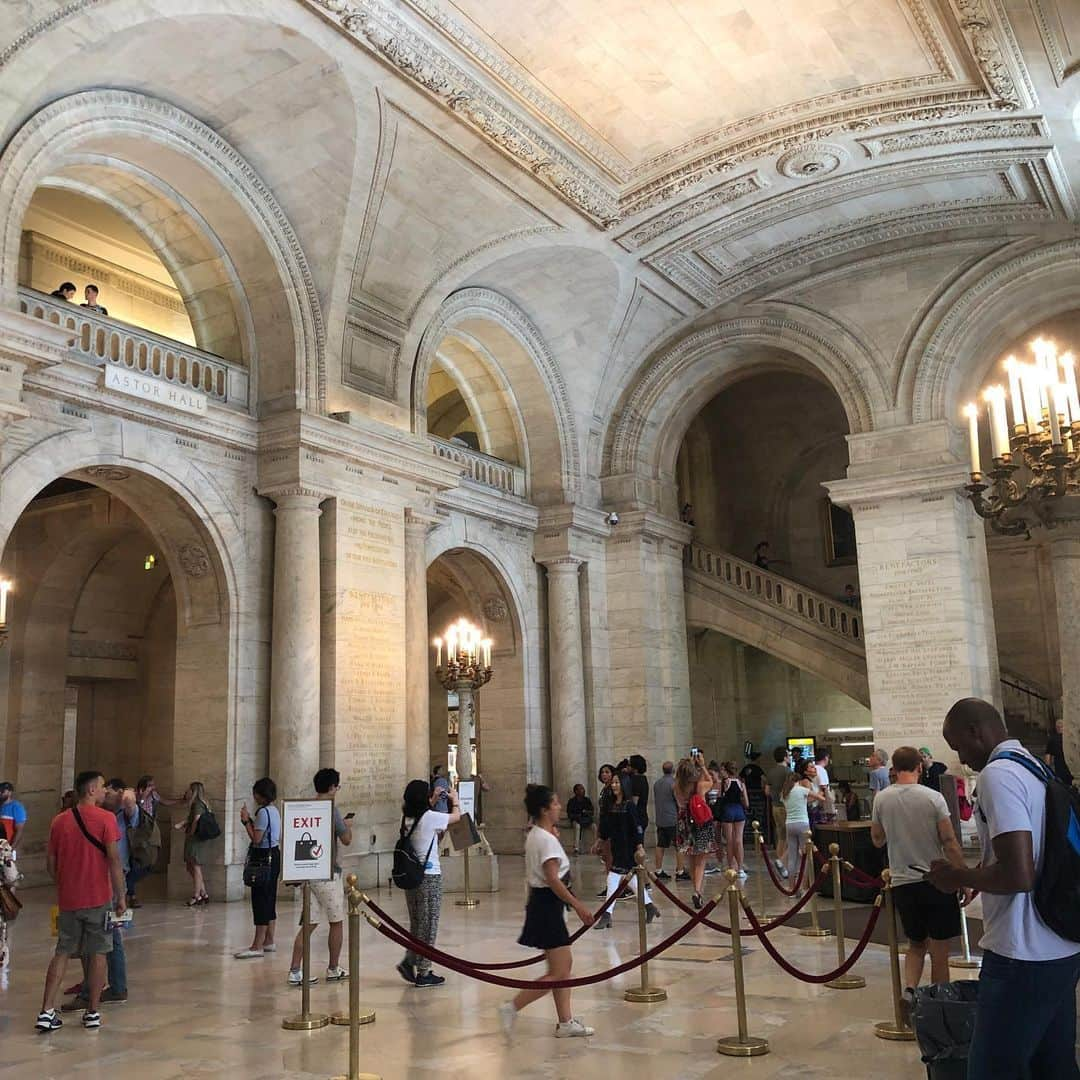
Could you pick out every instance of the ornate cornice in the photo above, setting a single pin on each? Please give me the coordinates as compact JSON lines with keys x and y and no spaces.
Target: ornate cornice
{"x":977,"y":25}
{"x":954,"y":134}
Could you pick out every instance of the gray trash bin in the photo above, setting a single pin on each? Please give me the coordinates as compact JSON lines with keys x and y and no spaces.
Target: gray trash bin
{"x":943,"y":1017}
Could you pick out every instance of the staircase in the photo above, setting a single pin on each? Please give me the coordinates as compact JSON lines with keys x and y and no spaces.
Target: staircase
{"x":1028,"y":710}
{"x":805,"y":628}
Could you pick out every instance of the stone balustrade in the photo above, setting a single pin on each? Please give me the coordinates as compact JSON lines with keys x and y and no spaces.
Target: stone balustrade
{"x":104,"y":340}
{"x":482,"y":468}
{"x":796,"y":600}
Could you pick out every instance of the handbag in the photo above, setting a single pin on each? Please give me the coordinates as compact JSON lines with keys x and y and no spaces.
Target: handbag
{"x":700,"y":811}
{"x":10,"y":904}
{"x":307,"y":849}
{"x":258,"y":865}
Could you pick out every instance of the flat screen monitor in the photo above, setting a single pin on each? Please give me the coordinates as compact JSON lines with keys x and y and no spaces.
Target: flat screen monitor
{"x":802,"y":747}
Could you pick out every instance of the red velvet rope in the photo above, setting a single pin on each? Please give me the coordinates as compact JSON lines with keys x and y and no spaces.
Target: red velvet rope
{"x":772,"y":873}
{"x":860,"y":946}
{"x":855,"y":877}
{"x":510,"y":964}
{"x":462,"y":967}
{"x":771,"y":925}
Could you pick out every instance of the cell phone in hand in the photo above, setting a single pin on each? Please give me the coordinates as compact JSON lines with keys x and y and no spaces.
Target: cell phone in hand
{"x":113,"y":920}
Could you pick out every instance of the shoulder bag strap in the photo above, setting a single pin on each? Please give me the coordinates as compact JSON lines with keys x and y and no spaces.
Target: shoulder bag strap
{"x":93,"y":840}
{"x":1036,"y":768}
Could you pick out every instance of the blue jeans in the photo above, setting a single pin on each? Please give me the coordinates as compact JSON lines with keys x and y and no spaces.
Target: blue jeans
{"x":134,"y":876}
{"x":117,"y":963}
{"x":1025,"y":1026}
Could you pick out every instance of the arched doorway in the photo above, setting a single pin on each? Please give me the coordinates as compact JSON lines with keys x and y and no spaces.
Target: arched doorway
{"x":119,"y":652}
{"x":466,"y":583}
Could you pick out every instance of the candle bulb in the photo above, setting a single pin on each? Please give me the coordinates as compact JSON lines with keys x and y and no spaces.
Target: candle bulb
{"x":438,"y":652}
{"x":487,"y":652}
{"x":1068,"y":366}
{"x":972,"y":413}
{"x":5,"y":588}
{"x":1028,"y":382}
{"x":999,"y":426}
{"x":1055,"y":426}
{"x":1015,"y":393}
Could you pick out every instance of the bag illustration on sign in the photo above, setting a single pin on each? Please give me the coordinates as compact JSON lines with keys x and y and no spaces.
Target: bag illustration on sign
{"x":307,"y":849}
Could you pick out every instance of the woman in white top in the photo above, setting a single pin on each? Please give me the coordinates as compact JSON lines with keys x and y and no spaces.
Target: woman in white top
{"x":796,"y":793}
{"x":423,"y":826}
{"x":545,"y":924}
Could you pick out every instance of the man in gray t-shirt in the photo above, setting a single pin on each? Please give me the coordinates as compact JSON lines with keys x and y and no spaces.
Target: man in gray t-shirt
{"x":666,"y":817}
{"x":913,"y":820}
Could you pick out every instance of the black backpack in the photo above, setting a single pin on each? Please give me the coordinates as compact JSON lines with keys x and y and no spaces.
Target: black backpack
{"x":207,"y":827}
{"x":408,"y":871}
{"x":1057,"y":892}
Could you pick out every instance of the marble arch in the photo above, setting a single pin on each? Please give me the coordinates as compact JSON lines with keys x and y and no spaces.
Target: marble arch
{"x":655,"y":412}
{"x":124,"y":131}
{"x":1001,"y":299}
{"x":522,"y":364}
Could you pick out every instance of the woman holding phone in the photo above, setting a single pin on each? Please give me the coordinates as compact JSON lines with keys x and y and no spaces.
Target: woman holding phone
{"x":264,"y":833}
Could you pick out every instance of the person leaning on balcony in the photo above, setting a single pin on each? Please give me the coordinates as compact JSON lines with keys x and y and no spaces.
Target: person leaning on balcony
{"x":91,"y":293}
{"x":65,"y":292}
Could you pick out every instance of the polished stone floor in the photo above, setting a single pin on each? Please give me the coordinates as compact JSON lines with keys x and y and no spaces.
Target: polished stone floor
{"x":195,"y":1012}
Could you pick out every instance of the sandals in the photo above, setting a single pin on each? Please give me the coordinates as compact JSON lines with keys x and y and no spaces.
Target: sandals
{"x":195,"y":901}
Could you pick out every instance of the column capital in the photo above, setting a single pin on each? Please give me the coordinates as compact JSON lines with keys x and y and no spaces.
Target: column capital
{"x":420,"y":522}
{"x":562,"y":564}
{"x":295,"y":495}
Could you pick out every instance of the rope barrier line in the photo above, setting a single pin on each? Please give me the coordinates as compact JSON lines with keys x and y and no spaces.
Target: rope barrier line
{"x":772,"y":924}
{"x":853,"y":876}
{"x":806,"y":976}
{"x":407,"y":941}
{"x":511,"y":964}
{"x":775,"y":880}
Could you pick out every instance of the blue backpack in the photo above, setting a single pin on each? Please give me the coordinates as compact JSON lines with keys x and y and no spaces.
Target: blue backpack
{"x":1057,"y":892}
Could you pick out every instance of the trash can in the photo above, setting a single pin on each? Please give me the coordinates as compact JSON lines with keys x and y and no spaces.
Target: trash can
{"x":943,"y":1017}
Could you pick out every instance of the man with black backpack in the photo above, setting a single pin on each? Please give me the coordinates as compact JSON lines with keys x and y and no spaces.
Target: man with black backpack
{"x":1029,"y":879}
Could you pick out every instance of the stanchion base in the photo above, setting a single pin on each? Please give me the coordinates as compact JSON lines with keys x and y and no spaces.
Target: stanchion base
{"x":305,"y":1023}
{"x":360,"y":1076}
{"x":468,"y":903}
{"x":811,"y":932}
{"x":649,"y":993}
{"x":733,"y":1046}
{"x":847,"y":982}
{"x":367,"y":1016}
{"x":972,"y":963}
{"x":889,"y":1029}
{"x":743,"y":951}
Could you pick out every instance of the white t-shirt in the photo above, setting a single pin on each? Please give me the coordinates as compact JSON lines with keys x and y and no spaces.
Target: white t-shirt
{"x":430,"y":824}
{"x":909,"y":814}
{"x":1013,"y":800}
{"x":540,"y":846}
{"x":822,"y":780}
{"x":795,"y":805}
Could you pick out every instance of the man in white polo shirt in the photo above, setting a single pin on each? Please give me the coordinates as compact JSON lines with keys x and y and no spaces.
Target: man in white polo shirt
{"x":1026,"y":1020}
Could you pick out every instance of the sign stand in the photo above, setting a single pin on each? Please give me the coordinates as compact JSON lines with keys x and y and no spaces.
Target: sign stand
{"x":307,"y":837}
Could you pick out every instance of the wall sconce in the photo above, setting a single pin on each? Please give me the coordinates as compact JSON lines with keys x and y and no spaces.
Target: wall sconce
{"x":149,"y":562}
{"x":5,"y":589}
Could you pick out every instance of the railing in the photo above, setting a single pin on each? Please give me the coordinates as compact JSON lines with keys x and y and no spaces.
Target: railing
{"x":746,"y":579}
{"x":106,"y":340}
{"x":1026,"y":701}
{"x":482,"y":468}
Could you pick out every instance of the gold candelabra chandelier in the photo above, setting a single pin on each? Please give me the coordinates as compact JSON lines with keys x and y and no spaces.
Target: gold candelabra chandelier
{"x":1043,"y":441}
{"x":468,"y":656}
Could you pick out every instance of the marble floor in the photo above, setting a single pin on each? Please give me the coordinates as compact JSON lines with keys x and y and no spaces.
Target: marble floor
{"x":194,"y":1012}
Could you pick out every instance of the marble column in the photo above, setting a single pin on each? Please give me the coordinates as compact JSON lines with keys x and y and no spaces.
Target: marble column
{"x":928,"y":622}
{"x":1065,"y":559}
{"x":569,"y":742}
{"x":295,"y":642}
{"x":418,"y":658}
{"x":466,"y":767}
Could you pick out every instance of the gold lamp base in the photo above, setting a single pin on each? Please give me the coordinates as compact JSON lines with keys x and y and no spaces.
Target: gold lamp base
{"x":733,"y":1046}
{"x":972,"y":963}
{"x":305,"y":1023}
{"x":847,"y":982}
{"x":648,"y":994}
{"x":367,"y":1016}
{"x":467,"y":903}
{"x":811,"y":931}
{"x":889,"y":1029}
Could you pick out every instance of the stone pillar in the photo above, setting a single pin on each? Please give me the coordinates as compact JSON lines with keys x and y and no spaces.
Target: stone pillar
{"x":466,"y":767}
{"x":928,"y":623}
{"x":295,"y":642}
{"x":569,"y":743}
{"x":418,"y":658}
{"x":1065,"y":559}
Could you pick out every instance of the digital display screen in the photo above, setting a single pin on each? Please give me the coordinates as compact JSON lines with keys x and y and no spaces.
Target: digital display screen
{"x":802,"y":747}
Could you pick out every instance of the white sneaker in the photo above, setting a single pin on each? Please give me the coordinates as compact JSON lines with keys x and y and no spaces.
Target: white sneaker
{"x":296,"y":978}
{"x":336,"y":974}
{"x":784,"y":873}
{"x":507,"y":1017}
{"x":572,"y":1029}
{"x":742,"y":875}
{"x":248,"y":954}
{"x":269,"y":948}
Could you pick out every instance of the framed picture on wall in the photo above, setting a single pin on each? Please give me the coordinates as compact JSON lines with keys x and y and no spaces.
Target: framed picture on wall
{"x":839,"y":528}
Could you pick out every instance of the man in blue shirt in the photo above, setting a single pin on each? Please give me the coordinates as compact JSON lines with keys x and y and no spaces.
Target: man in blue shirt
{"x":12,"y":815}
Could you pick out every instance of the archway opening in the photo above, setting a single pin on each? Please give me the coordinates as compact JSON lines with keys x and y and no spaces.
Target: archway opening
{"x":465,"y":584}
{"x":117,"y":655}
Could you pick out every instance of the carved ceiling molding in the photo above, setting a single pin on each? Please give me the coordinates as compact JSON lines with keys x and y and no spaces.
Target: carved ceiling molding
{"x":954,"y":134}
{"x":1051,"y":32}
{"x":985,"y":31}
{"x":812,"y":160}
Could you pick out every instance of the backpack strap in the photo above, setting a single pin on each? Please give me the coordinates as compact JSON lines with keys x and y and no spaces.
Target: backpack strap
{"x":93,"y":839}
{"x":1037,"y":769}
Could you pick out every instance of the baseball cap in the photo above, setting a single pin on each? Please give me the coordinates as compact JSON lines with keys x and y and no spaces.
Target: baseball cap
{"x":926,"y":750}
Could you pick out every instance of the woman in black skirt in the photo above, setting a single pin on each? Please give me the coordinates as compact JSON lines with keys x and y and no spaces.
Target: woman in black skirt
{"x":545,"y":924}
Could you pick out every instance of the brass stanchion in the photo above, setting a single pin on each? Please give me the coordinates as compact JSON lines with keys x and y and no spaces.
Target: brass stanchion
{"x":468,"y":901}
{"x":759,"y":846}
{"x":356,"y":1011}
{"x":965,"y":960}
{"x":849,"y":981}
{"x":815,"y":928}
{"x":895,"y":1029}
{"x":741,"y":1045}
{"x":644,"y":992}
{"x":306,"y":1020}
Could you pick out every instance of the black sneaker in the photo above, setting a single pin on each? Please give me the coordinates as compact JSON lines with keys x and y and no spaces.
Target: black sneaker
{"x":429,"y":978}
{"x":698,"y":903}
{"x":110,"y":996}
{"x":407,"y":972}
{"x":91,"y":1019}
{"x":651,"y":912}
{"x":49,"y":1021}
{"x":683,"y":875}
{"x":663,"y":875}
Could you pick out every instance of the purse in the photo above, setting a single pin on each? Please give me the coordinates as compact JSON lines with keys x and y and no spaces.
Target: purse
{"x":258,"y":865}
{"x":700,"y":811}
{"x":10,"y":904}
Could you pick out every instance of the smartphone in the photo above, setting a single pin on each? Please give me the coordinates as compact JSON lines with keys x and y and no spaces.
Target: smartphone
{"x":694,"y":751}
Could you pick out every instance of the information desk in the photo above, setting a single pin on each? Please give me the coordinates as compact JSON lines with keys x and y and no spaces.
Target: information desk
{"x":857,"y":848}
